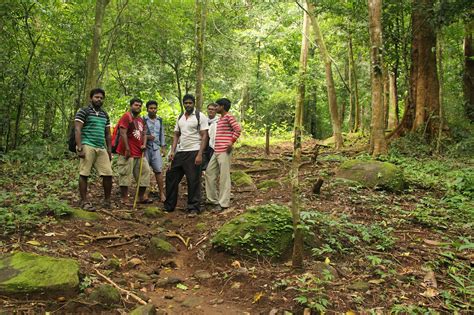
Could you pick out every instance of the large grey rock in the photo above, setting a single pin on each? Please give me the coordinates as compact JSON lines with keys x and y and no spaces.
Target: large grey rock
{"x":30,"y":273}
{"x":264,"y":230}
{"x":159,"y":248}
{"x":373,"y":174}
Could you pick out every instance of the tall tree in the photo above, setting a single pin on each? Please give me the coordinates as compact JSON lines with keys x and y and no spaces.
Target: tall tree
{"x":200,"y":31}
{"x":468,"y":75}
{"x":297,"y":259}
{"x":92,"y":70}
{"x":333,"y":109}
{"x":393,"y":104}
{"x":377,"y":140}
{"x":425,"y":85}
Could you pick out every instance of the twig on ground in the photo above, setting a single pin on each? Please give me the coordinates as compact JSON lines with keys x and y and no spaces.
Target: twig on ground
{"x":107,"y":237}
{"x":120,"y":244}
{"x":128,"y":293}
{"x":174,"y":234}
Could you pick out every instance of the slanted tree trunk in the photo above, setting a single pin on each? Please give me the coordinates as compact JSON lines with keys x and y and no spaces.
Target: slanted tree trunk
{"x":377,"y":139}
{"x":333,"y":109}
{"x":468,"y":76}
{"x":297,"y":259}
{"x":425,"y":79}
{"x":393,"y":104}
{"x":92,"y":67}
{"x":199,"y":41}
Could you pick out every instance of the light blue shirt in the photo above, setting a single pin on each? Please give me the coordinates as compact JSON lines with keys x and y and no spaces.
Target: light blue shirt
{"x":154,"y":128}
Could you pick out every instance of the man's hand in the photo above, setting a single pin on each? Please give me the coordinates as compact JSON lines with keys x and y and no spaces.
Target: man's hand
{"x":143,"y":147}
{"x":109,"y":152}
{"x":171,"y":156}
{"x":198,"y":160}
{"x":151,"y":137}
{"x":127,"y":153}
{"x":163,"y":151}
{"x":230,"y":148}
{"x":80,"y":152}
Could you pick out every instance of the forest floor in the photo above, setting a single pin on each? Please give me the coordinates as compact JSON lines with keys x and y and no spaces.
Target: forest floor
{"x":409,"y":252}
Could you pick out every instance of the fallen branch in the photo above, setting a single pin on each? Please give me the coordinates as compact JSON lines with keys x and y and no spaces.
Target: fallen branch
{"x":120,"y":244}
{"x":174,"y":234}
{"x":107,"y":237}
{"x":128,"y":293}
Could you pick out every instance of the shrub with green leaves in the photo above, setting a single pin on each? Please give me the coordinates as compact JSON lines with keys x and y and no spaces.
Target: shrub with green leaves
{"x":339,"y":235}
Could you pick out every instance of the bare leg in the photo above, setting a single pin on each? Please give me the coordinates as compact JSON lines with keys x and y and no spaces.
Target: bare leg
{"x":159,"y":180}
{"x":141,"y":193}
{"x":124,"y":193}
{"x":83,"y":188}
{"x":107,"y":183}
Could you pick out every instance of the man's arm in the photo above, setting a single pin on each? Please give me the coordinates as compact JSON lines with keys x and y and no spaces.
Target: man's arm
{"x":204,"y":139}
{"x":124,"y":139}
{"x":108,"y":141}
{"x":144,"y":136}
{"x":176,"y":136}
{"x":77,"y":134}
{"x":236,"y":130}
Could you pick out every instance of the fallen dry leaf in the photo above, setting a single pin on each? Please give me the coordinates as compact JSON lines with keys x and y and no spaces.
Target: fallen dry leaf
{"x":429,"y":279}
{"x":433,"y":242}
{"x":34,"y":243}
{"x":236,"y":264}
{"x":430,"y":292}
{"x":257,"y":297}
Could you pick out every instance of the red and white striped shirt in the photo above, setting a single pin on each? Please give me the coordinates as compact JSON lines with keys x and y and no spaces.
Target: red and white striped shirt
{"x":228,"y":131}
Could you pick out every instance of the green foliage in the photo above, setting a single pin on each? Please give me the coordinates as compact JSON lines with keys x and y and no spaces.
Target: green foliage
{"x":340,"y":235}
{"x":27,"y":216}
{"x":311,"y":291}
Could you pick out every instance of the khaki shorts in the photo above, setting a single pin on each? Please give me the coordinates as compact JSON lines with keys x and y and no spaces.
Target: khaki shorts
{"x":99,"y":158}
{"x":128,"y":169}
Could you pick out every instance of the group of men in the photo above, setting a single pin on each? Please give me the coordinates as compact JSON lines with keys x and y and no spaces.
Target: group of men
{"x":200,"y":143}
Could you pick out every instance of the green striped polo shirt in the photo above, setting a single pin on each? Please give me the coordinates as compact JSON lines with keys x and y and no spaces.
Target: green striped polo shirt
{"x":93,"y":130}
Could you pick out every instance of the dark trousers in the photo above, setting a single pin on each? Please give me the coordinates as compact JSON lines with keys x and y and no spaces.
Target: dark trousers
{"x":183,"y":164}
{"x":206,"y":157}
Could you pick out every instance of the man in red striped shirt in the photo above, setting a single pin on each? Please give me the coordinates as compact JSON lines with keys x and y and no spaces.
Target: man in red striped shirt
{"x":227,"y":132}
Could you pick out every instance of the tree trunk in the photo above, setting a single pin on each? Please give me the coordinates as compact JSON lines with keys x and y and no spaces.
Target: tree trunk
{"x":386,"y":97}
{"x":92,"y":68}
{"x":49,"y":119}
{"x":393,"y":104}
{"x":199,"y":41}
{"x":297,"y":259}
{"x":425,"y":78}
{"x":357,"y":117}
{"x":468,"y":76}
{"x":333,"y":109}
{"x":378,"y":144}
{"x":267,"y":140}
{"x":439,"y":53}
{"x":352,"y":109}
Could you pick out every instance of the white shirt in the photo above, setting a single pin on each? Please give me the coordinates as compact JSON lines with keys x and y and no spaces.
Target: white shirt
{"x":190,"y":139}
{"x":212,"y":131}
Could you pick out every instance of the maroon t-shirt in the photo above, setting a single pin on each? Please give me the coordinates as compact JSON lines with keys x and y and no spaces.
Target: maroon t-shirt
{"x":135,"y":132}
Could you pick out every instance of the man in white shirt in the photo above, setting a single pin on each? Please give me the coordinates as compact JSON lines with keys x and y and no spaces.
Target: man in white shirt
{"x":191,"y":133}
{"x":212,"y":119}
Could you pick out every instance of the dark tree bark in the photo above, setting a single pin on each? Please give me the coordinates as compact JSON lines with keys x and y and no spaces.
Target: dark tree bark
{"x":468,"y":76}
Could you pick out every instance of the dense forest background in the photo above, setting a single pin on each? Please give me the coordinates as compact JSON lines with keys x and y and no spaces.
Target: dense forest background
{"x":52,"y":52}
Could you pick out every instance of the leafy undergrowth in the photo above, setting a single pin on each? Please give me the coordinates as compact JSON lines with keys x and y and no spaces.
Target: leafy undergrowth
{"x":367,"y":250}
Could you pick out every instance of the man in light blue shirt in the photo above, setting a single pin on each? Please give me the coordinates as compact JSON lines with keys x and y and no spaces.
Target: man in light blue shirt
{"x":155,"y":145}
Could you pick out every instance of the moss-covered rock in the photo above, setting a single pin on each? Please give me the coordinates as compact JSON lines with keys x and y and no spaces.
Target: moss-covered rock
{"x":105,"y":294}
{"x":262,"y":230}
{"x":201,"y":226}
{"x":113,"y":263}
{"x":159,"y":248}
{"x":84,"y":215}
{"x":97,"y":257}
{"x":373,"y":174}
{"x":153,"y":212}
{"x":240,"y":178}
{"x":148,"y":309}
{"x":267,"y":184}
{"x":30,"y":273}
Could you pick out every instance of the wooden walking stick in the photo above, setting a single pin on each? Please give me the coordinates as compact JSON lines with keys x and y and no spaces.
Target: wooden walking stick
{"x":138,"y":181}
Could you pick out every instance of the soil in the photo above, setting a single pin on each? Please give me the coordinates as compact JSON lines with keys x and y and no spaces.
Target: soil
{"x":235,"y":284}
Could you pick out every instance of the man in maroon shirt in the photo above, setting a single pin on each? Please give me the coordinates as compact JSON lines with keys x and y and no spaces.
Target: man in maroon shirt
{"x":130,"y":149}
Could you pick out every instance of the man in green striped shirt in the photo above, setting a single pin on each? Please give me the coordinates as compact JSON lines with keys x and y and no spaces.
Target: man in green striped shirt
{"x":92,"y":132}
